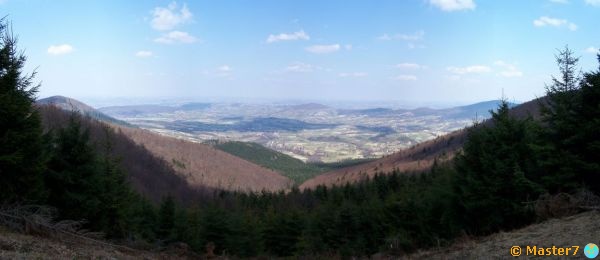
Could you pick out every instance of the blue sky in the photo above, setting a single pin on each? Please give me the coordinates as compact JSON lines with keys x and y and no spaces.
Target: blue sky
{"x":419,"y":51}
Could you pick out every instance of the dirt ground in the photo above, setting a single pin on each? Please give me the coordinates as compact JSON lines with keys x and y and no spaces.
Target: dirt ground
{"x":21,"y":246}
{"x":576,"y":230}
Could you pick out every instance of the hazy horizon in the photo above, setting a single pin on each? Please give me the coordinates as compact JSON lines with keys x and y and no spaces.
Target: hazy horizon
{"x":434,"y":52}
{"x":102,"y":102}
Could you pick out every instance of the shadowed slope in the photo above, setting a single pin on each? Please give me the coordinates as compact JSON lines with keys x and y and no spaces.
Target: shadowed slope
{"x":149,"y":175}
{"x":201,"y":164}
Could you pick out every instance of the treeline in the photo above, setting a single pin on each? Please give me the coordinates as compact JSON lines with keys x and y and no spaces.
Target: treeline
{"x":504,"y":167}
{"x":495,"y":183}
{"x":153,"y":177}
{"x":55,"y":162}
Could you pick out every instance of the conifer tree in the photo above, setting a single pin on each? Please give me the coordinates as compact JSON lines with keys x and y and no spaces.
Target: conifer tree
{"x":115,"y":195}
{"x":21,"y":160}
{"x":166,"y":218}
{"x":559,"y":162}
{"x":494,"y":174}
{"x":584,"y":143}
{"x":74,"y":178}
{"x":215,"y":228}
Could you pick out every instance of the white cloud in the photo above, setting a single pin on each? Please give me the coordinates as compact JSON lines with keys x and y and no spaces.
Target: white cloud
{"x":223,"y":71}
{"x":348,"y":47}
{"x":224,"y":68}
{"x":353,"y":74}
{"x":299,"y":35}
{"x":544,"y":20}
{"x":469,"y":69}
{"x":164,"y":19}
{"x":453,"y":5}
{"x":144,"y":54}
{"x":417,"y":36}
{"x":60,"y":49}
{"x":549,"y":21}
{"x":592,"y":50}
{"x":593,"y":2}
{"x":508,"y":70}
{"x":300,"y":67}
{"x":410,"y":66}
{"x":176,"y":37}
{"x":406,"y":77}
{"x":323,"y":49}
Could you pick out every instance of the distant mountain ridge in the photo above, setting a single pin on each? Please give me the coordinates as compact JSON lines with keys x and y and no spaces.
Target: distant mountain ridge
{"x":134,"y":110}
{"x":70,"y":104}
{"x":218,"y":169}
{"x":479,"y":109}
{"x":476,"y":110}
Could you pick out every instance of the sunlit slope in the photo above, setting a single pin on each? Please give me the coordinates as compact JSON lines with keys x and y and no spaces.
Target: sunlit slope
{"x":417,"y":158}
{"x":201,"y":164}
{"x":288,"y":166}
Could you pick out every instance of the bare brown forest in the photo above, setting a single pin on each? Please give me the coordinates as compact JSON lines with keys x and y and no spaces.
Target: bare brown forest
{"x":417,"y":158}
{"x":203,"y":165}
{"x":150,"y":175}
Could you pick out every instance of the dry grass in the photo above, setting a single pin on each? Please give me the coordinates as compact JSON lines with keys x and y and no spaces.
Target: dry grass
{"x":576,"y":230}
{"x":15,"y":245}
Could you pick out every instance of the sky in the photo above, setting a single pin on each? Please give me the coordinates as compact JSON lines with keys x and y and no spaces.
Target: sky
{"x":426,"y":51}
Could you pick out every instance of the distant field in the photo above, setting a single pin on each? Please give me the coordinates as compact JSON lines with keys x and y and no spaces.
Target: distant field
{"x":293,"y":168}
{"x":308,"y":132}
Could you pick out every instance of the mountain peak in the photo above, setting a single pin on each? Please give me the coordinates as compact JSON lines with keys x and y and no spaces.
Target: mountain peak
{"x":66,"y":103}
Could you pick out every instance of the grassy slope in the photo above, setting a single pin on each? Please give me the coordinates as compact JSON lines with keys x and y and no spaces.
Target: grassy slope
{"x":288,"y":166}
{"x":576,"y":230}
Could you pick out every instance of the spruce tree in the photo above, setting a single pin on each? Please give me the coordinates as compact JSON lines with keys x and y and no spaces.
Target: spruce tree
{"x":116,"y":195}
{"x":495,"y":172}
{"x":558,"y":161}
{"x":74,"y":178}
{"x":584,"y":143}
{"x":166,"y":219}
{"x":21,"y":157}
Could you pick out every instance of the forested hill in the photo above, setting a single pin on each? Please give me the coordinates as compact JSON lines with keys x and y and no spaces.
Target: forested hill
{"x":293,"y":168}
{"x":417,"y":158}
{"x":197,"y":164}
{"x":70,"y":104}
{"x":150,"y":175}
{"x":202,"y":165}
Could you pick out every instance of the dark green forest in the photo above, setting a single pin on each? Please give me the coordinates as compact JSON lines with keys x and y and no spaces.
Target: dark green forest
{"x":288,"y":166}
{"x":505,"y":172}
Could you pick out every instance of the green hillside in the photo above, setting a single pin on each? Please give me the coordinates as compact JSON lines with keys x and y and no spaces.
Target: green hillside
{"x":288,"y":166}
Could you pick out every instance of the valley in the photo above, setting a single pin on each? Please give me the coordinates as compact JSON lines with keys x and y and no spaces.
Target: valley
{"x":309,"y":132}
{"x":299,"y":129}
